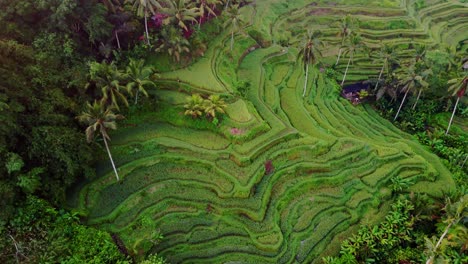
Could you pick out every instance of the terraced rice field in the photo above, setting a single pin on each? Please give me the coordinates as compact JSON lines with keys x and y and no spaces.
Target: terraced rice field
{"x":208,"y":193}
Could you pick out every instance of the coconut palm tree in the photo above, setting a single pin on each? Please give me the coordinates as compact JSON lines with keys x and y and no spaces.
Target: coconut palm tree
{"x":346,"y":26}
{"x":233,"y":20}
{"x":353,"y":46}
{"x":206,"y":7}
{"x":143,"y":9}
{"x":388,"y":55}
{"x":425,"y":73}
{"x":410,"y":80}
{"x":100,"y":118}
{"x":309,"y":53}
{"x":180,"y":12}
{"x":214,"y":104}
{"x":173,"y":43}
{"x":457,"y":87}
{"x":108,"y":78}
{"x":139,"y":77}
{"x":419,"y":52}
{"x":195,"y":106}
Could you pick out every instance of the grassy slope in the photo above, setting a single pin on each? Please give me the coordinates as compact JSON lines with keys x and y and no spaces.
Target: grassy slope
{"x":206,"y":190}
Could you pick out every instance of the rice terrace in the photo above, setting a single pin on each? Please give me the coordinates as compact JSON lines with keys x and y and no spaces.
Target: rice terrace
{"x":293,"y":167}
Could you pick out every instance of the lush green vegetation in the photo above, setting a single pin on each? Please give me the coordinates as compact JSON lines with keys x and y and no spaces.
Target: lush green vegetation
{"x":153,"y":131}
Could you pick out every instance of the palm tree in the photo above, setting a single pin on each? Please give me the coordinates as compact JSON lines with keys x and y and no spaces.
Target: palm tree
{"x":143,"y":7}
{"x":108,"y":77}
{"x":410,"y":80}
{"x":420,"y":52}
{"x":101,"y":118}
{"x":214,"y":104}
{"x":425,"y":73}
{"x":455,"y":213}
{"x":354,"y":45}
{"x":180,"y":12}
{"x":233,"y":21}
{"x":309,"y":53}
{"x":458,"y":87}
{"x":139,"y":76}
{"x":388,"y":55}
{"x":346,"y":26}
{"x":206,"y":6}
{"x":195,"y":106}
{"x":173,"y":43}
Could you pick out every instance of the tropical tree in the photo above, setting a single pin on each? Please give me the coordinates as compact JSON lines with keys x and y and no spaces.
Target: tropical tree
{"x":100,"y":118}
{"x":139,"y":77}
{"x":346,"y":26}
{"x":457,"y":87}
{"x":410,"y":80}
{"x":309,"y":53}
{"x":419,"y":52}
{"x":120,"y":19}
{"x":354,"y":45}
{"x":425,"y":73}
{"x":195,"y":106}
{"x":107,"y":77}
{"x":455,"y":213}
{"x":214,"y":104}
{"x":388,"y":56}
{"x":233,"y":20}
{"x":143,"y":9}
{"x":173,"y":43}
{"x":206,"y":7}
{"x":180,"y":12}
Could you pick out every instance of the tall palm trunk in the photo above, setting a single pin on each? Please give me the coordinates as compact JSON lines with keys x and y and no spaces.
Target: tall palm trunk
{"x":453,"y":114}
{"x":232,"y":39}
{"x":380,"y":76}
{"x":431,"y":259}
{"x":117,"y":38}
{"x":306,"y":77}
{"x":339,"y":55}
{"x":346,"y":71}
{"x":146,"y":28}
{"x":110,"y":157}
{"x":136,"y":97}
{"x":402,"y":102}
{"x":417,"y":99}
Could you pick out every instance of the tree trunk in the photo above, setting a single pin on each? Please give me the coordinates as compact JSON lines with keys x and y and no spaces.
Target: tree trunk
{"x":232,"y":38}
{"x":417,"y":99}
{"x":464,"y":162}
{"x":380,"y":76}
{"x":136,"y":97}
{"x":402,"y":102}
{"x":117,"y":38}
{"x":110,"y":157}
{"x":346,"y":71}
{"x":453,"y":114}
{"x":306,"y":77}
{"x":431,"y":259}
{"x":338,"y":58}
{"x":146,"y":29}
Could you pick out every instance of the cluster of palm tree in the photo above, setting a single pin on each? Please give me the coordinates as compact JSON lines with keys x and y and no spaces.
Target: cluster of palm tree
{"x":182,"y":15}
{"x":196,"y":106}
{"x":414,"y":77}
{"x":100,"y":115}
